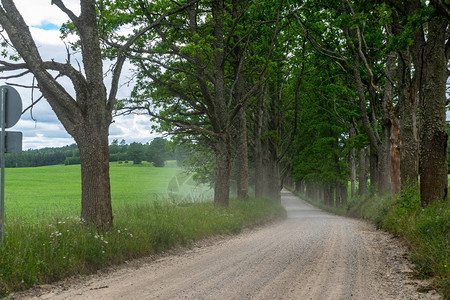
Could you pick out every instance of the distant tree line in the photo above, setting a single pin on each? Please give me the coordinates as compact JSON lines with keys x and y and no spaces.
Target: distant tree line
{"x":157,"y":152}
{"x":42,"y":157}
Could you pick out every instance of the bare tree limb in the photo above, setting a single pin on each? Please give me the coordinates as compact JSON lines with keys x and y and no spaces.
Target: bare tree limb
{"x":361,"y":42}
{"x":15,"y":76}
{"x":30,"y":107}
{"x":22,"y":85}
{"x":67,"y":11}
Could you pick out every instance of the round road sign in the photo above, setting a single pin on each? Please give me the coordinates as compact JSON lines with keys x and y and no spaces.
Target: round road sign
{"x":13,"y":106}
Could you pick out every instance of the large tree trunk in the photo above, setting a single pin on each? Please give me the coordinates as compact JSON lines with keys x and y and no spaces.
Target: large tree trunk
{"x":222,"y":149}
{"x":374,"y":141}
{"x":258,"y":151}
{"x":384,"y":182}
{"x":222,"y":146}
{"x":271,"y":183}
{"x":86,"y":118}
{"x":395,"y":159}
{"x":343,"y":194}
{"x":242,"y":156}
{"x":352,"y":165}
{"x":433,"y":135}
{"x":258,"y":169}
{"x":337,"y":195}
{"x":329,"y":195}
{"x":310,"y":190}
{"x":320,"y":192}
{"x":96,"y":191}
{"x":272,"y":178}
{"x":408,"y":103}
{"x":373,"y":168}
{"x":241,"y":141}
{"x":362,"y":175}
{"x":408,"y":128}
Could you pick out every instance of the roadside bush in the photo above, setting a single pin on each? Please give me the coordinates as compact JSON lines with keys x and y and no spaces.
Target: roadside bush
{"x":371,"y":208}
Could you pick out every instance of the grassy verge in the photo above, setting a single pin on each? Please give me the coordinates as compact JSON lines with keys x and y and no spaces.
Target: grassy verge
{"x":425,"y":231}
{"x":50,"y":249}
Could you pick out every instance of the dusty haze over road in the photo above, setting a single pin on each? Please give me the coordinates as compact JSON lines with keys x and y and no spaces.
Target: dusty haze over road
{"x":310,"y":255}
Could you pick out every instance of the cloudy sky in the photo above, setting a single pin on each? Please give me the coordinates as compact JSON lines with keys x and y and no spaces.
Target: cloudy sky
{"x":44,"y":21}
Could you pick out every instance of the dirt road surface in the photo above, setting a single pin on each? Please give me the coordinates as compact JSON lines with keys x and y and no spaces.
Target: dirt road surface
{"x":310,"y":255}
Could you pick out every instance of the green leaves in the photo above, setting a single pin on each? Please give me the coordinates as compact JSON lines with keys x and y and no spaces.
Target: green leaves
{"x":199,"y":46}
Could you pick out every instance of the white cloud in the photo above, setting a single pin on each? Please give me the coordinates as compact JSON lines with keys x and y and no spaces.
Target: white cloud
{"x":46,"y":37}
{"x":42,"y":134}
{"x":133,"y":128}
{"x":39,"y":12}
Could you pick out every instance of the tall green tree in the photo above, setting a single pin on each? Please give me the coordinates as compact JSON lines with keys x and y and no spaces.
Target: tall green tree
{"x":190,"y":73}
{"x":135,"y":152}
{"x":157,"y":152}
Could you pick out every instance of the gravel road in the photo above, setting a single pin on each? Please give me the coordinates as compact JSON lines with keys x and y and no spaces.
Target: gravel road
{"x":310,"y":255}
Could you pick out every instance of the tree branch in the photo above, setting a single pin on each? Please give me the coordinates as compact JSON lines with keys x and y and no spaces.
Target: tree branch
{"x":32,"y":104}
{"x":67,"y":11}
{"x":121,"y":55}
{"x":15,"y":76}
{"x":332,"y":54}
{"x":362,"y":55}
{"x":183,"y":124}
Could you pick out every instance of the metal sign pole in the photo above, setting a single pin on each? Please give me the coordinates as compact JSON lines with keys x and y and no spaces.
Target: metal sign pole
{"x":2,"y":160}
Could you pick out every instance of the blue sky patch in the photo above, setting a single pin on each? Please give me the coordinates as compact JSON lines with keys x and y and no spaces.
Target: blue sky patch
{"x":47,"y":26}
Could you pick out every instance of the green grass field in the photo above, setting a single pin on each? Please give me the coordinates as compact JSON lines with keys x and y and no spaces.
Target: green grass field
{"x":57,"y":189}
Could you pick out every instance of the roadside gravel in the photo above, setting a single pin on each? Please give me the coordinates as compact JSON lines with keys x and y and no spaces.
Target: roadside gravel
{"x":310,"y":255}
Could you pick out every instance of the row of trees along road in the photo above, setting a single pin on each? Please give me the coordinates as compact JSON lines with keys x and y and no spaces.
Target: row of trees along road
{"x":321,"y":92}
